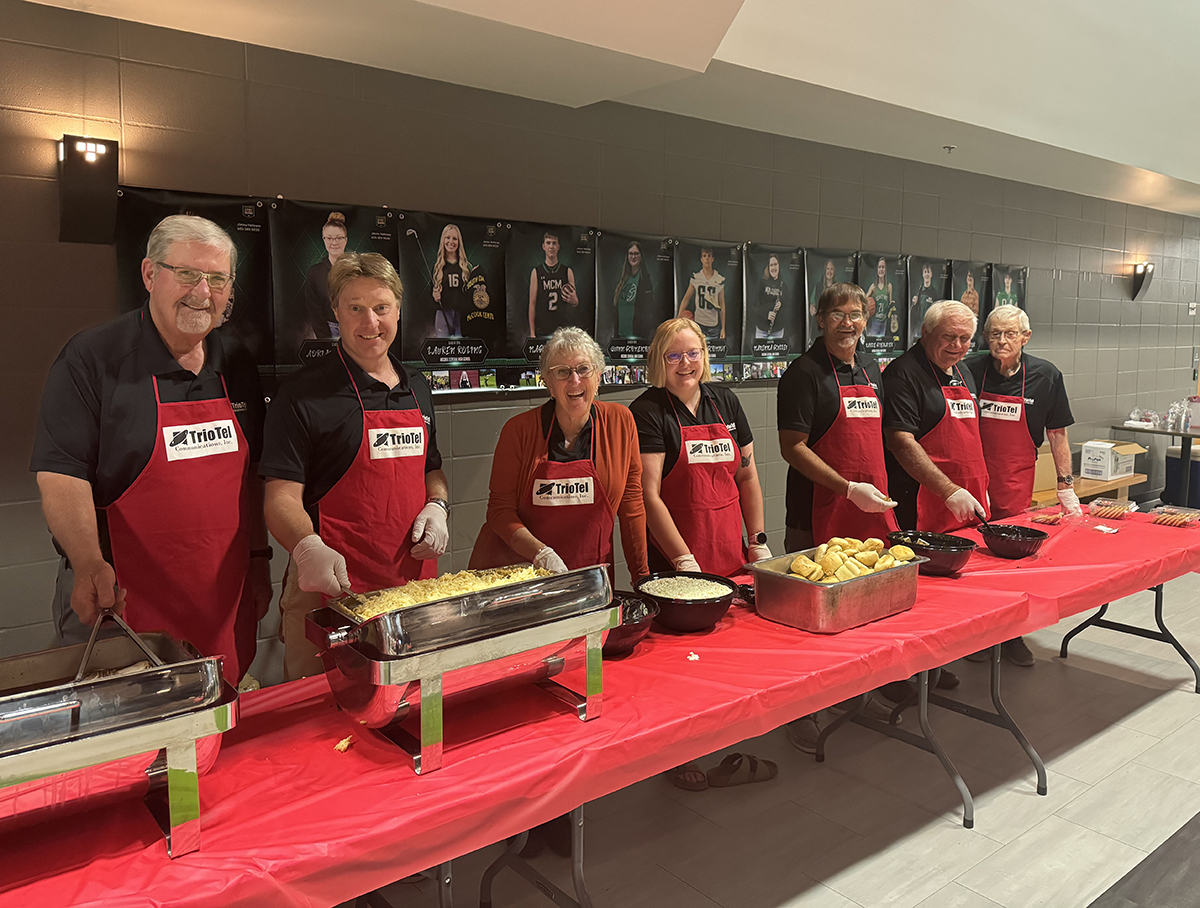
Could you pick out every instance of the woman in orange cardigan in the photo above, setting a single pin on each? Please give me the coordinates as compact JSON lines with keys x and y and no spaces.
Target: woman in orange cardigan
{"x":564,"y":470}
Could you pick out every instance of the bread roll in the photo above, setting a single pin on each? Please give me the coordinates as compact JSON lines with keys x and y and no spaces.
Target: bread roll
{"x":869,"y":557}
{"x":902,"y":553}
{"x":873,"y":545}
{"x":885,"y":561}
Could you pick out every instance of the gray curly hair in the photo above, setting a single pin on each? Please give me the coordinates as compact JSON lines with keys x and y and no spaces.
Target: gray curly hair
{"x":570,"y":340}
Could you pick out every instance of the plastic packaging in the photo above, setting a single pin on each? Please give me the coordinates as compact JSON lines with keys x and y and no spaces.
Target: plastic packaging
{"x":1167,"y":515}
{"x":1109,"y":508}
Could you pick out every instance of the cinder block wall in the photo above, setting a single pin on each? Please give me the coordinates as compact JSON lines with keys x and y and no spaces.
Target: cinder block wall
{"x":200,"y":114}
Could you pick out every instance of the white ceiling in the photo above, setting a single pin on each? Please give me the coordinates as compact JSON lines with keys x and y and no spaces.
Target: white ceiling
{"x":1093,"y":96}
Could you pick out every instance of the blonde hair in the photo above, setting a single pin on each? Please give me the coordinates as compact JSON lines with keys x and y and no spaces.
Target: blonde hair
{"x":336,"y":219}
{"x":463,"y":264}
{"x":663,"y":338}
{"x":353,"y":265}
{"x":943,"y":309}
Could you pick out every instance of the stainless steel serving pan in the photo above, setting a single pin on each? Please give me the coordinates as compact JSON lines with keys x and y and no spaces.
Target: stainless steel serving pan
{"x":827,"y":608}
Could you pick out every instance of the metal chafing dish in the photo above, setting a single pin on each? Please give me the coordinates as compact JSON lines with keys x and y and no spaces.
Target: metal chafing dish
{"x":68,"y":709}
{"x":418,"y":657}
{"x":827,"y":608}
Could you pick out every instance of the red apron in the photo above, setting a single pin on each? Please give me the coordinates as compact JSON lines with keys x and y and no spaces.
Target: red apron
{"x":702,"y":496}
{"x":1008,"y":448}
{"x":853,"y":446}
{"x":955,"y":449}
{"x":178,"y":533}
{"x":368,"y":514}
{"x":568,"y":510}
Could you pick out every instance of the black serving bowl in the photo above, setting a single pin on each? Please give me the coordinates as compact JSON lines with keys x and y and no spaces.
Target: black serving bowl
{"x":637,"y":614}
{"x":947,"y":554}
{"x":1007,"y":540}
{"x":690,"y":615}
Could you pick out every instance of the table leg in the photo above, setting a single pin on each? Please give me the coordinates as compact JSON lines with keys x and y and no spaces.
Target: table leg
{"x":1080,"y":628}
{"x":1185,"y":469}
{"x":1002,"y":712}
{"x":445,"y":879}
{"x":511,"y":858}
{"x":847,"y":716}
{"x":936,"y":749}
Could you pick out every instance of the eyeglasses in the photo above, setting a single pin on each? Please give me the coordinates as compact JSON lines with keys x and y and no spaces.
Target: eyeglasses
{"x":563,"y":373}
{"x":676,"y":358}
{"x":190,"y":277}
{"x":1004,"y":335}
{"x":837,"y":317}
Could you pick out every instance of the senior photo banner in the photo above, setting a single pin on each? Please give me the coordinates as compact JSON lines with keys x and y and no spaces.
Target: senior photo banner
{"x":1008,"y":285}
{"x":775,"y":319}
{"x":307,"y":238}
{"x":248,"y":317}
{"x":709,"y":289}
{"x":884,"y":278}
{"x":824,"y":268}
{"x":454,"y":307}
{"x":928,"y":282}
{"x":551,"y":281}
{"x":969,"y":285}
{"x":635,"y":293}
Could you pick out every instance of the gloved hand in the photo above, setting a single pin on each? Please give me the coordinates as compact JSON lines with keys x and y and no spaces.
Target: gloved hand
{"x":758,"y":553}
{"x":686,"y":562}
{"x":319,"y":569}
{"x":547,"y":559}
{"x":1070,"y":503}
{"x":963,"y":505}
{"x":430,"y":532}
{"x":867,"y":498}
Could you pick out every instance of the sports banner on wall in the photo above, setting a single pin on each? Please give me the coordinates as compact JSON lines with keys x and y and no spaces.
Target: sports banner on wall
{"x":928,"y":282}
{"x":709,"y":289}
{"x":453,"y":273}
{"x":969,"y":285}
{"x":635,"y":286}
{"x":306,"y":239}
{"x":551,"y":282}
{"x":1008,"y":285}
{"x":775,"y":320}
{"x":884,"y":278}
{"x":249,"y":317}
{"x":824,"y":268}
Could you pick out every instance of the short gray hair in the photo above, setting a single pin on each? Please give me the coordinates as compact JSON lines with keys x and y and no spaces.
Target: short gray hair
{"x":1007,"y":313}
{"x":944,"y":309}
{"x":188,"y":228}
{"x":571,"y":340}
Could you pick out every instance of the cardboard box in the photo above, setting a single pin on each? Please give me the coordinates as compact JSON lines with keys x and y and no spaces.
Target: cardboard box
{"x":1045,"y":475}
{"x":1104,"y":458}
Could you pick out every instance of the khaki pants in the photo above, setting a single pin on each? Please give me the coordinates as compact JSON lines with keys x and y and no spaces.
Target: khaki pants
{"x":300,"y":657}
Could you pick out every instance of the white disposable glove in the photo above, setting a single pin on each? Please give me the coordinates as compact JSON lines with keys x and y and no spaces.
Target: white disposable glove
{"x":866,"y":497}
{"x":963,"y":505}
{"x":430,"y":533}
{"x":547,"y":559}
{"x":1070,"y":502}
{"x":319,"y":569}
{"x":686,"y":562}
{"x":758,"y":553}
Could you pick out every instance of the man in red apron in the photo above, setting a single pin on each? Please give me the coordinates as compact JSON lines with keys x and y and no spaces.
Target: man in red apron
{"x":936,"y":469}
{"x":699,"y":480}
{"x":355,"y":489}
{"x":1022,"y":399}
{"x":148,"y":429}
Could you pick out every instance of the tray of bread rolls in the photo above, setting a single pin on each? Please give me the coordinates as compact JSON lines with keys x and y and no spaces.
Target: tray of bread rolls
{"x":840,"y":584}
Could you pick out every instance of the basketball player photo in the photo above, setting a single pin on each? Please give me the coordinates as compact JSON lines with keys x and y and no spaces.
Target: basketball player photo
{"x":884,"y":279}
{"x":551,"y":282}
{"x":928,"y":283}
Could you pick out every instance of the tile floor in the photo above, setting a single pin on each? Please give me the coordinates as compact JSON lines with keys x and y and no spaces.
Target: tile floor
{"x":879,"y":823}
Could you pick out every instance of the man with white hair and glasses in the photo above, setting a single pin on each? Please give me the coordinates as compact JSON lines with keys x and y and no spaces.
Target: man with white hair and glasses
{"x":1022,"y":400}
{"x":148,"y":428}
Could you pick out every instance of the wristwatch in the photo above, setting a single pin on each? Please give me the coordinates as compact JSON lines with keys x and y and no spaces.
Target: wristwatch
{"x":1067,"y":480}
{"x":441,"y":502}
{"x":758,"y":539}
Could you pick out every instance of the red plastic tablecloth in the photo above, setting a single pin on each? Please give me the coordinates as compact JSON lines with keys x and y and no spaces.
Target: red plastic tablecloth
{"x":289,"y":821}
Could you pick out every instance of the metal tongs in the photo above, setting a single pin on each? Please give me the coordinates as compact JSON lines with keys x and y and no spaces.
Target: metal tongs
{"x":129,"y":632}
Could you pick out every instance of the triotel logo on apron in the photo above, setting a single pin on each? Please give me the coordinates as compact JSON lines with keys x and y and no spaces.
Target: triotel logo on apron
{"x":995,"y":409}
{"x":202,"y":439}
{"x":861,"y":406}
{"x":554,"y":493}
{"x":396,"y":443}
{"x":715,"y":450}
{"x":962,"y":409}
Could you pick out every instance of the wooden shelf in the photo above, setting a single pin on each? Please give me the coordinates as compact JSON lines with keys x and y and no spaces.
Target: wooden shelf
{"x":1090,"y":488}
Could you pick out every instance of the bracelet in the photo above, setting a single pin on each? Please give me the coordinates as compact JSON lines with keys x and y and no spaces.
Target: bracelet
{"x":445,"y":505}
{"x":267,"y":553}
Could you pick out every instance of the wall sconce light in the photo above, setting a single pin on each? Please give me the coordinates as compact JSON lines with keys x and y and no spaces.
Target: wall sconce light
{"x":87,"y":189}
{"x":1143,"y":274}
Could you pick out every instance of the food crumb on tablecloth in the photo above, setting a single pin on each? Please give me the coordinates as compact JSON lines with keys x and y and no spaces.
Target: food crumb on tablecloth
{"x":692,"y":657}
{"x":344,"y":745}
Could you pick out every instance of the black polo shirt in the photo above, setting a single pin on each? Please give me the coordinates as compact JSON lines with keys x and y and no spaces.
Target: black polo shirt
{"x":1046,"y":404}
{"x":809,"y":402}
{"x":658,"y":428}
{"x":556,"y":448}
{"x":314,"y":425}
{"x":915,"y":404}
